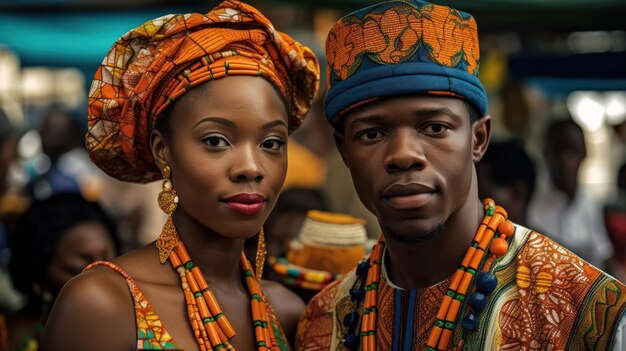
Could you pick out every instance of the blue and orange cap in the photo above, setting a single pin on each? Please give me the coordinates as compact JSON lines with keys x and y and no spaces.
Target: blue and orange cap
{"x":402,"y":47}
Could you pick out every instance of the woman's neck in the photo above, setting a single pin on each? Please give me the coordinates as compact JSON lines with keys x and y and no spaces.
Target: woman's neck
{"x":217,"y":256}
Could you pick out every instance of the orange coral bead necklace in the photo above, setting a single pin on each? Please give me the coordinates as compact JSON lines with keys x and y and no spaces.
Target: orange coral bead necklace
{"x":488,"y":244}
{"x":211,"y":327}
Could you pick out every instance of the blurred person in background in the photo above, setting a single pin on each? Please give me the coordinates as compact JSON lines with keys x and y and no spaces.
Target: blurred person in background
{"x":55,"y":240}
{"x":8,"y":150}
{"x":65,"y":161}
{"x":561,"y":208}
{"x":203,"y":103}
{"x":615,"y":219}
{"x":11,"y":206}
{"x":10,"y":203}
{"x":507,"y":174}
{"x":70,"y":170}
{"x":8,"y":154}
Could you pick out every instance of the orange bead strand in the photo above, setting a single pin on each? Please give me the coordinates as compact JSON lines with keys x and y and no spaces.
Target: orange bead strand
{"x":484,"y":249}
{"x":210,"y":326}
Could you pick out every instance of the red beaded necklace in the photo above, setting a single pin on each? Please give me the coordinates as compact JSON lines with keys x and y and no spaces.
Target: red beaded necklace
{"x":484,"y":245}
{"x":211,"y":327}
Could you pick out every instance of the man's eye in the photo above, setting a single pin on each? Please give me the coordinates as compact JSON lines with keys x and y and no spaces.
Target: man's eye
{"x":435,"y":128}
{"x":370,"y":134}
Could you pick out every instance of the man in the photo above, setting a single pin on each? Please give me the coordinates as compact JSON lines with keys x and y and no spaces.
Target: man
{"x":410,"y":122}
{"x":562,"y":209}
{"x":507,"y":175}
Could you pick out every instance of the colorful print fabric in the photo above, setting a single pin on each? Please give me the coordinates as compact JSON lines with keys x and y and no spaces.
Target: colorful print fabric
{"x":151,"y":333}
{"x":547,"y":299}
{"x":151,"y":66}
{"x":392,"y":34}
{"x":402,"y":47}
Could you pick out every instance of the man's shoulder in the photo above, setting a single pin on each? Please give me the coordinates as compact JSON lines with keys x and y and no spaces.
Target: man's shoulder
{"x":551,"y":288}
{"x":540,"y":255}
{"x":316,"y":325}
{"x":323,"y":301}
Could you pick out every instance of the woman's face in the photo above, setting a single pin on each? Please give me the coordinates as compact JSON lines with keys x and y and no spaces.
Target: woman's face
{"x":227,"y":153}
{"x":82,"y":244}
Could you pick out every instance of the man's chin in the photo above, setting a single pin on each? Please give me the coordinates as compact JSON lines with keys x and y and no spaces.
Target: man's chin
{"x":413,"y":235}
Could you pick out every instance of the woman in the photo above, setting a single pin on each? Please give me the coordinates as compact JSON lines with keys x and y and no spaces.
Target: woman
{"x":54,"y":241}
{"x":160,"y":107}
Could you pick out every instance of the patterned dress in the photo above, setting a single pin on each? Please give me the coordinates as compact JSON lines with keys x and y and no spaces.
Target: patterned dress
{"x":151,"y":332}
{"x":547,"y":299}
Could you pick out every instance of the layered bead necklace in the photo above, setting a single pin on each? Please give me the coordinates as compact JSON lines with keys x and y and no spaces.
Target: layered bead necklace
{"x":488,"y":244}
{"x":211,"y":327}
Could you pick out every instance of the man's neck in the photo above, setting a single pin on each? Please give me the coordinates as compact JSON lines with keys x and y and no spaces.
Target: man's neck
{"x":416,"y":266}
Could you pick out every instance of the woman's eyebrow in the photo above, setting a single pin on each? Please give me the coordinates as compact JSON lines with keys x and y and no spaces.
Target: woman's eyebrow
{"x":220,"y":120}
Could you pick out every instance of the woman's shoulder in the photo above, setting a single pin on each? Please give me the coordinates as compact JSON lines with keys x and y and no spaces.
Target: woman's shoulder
{"x":98,"y":287}
{"x":94,"y":310}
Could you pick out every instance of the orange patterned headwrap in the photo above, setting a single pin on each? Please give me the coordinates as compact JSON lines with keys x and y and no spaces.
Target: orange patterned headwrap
{"x":151,"y":66}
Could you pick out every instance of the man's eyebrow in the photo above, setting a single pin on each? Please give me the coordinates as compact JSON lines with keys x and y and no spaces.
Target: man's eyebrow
{"x":430,"y":112}
{"x":422,"y":112}
{"x":365,"y":119}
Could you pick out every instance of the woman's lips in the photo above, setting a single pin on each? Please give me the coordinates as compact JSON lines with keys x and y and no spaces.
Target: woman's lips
{"x":245,"y":203}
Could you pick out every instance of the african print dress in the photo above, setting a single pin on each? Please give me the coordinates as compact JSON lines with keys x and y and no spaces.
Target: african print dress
{"x":151,"y":333}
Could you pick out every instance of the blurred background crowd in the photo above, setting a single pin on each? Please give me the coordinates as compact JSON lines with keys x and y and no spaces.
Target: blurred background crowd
{"x":555,"y":72}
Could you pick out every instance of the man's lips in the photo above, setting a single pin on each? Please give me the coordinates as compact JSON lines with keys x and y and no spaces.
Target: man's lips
{"x":408,"y":195}
{"x":245,"y":203}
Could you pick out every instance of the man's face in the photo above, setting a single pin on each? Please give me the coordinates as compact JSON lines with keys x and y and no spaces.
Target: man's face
{"x":412,"y":161}
{"x":564,"y":155}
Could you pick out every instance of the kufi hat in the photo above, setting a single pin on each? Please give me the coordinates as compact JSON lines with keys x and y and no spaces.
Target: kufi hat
{"x":402,"y":47}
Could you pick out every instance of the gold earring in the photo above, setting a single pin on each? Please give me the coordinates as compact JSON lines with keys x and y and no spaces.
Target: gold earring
{"x":260,"y":255}
{"x":167,"y":240}
{"x":168,"y":199}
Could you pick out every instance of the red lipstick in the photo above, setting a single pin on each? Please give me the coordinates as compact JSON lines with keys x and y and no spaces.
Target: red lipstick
{"x":245,"y":203}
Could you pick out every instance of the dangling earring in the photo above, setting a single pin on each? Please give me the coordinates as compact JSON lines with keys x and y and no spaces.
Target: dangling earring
{"x":168,"y":200}
{"x":260,"y":255}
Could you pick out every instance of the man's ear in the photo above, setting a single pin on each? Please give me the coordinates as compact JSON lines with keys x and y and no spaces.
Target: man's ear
{"x":160,"y":149}
{"x":341,"y":145}
{"x":481,"y":134}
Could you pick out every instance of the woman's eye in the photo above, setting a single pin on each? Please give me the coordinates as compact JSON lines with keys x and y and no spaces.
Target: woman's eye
{"x":216,"y":141}
{"x":370,"y":134}
{"x":272,"y":144}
